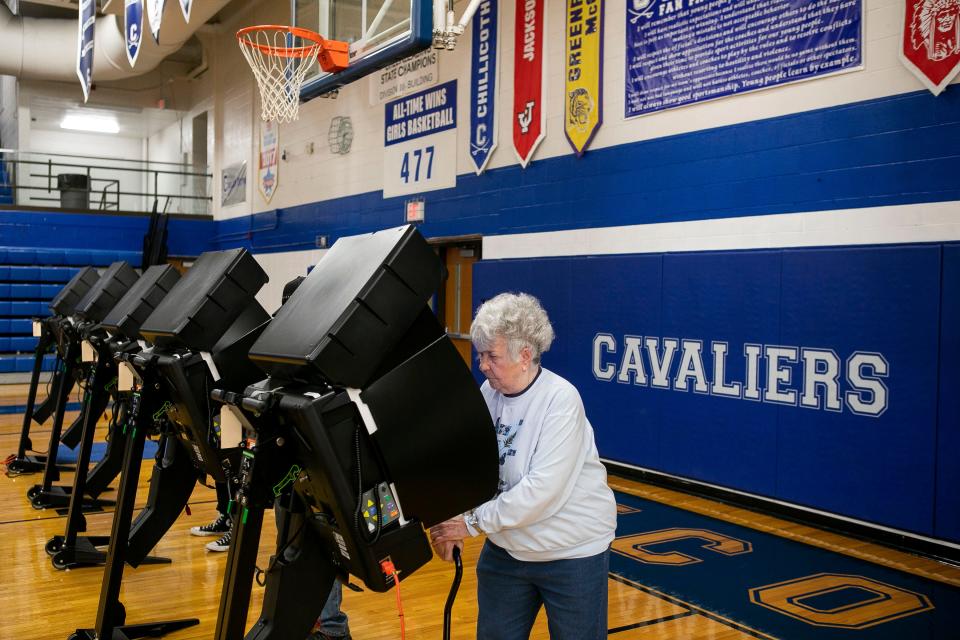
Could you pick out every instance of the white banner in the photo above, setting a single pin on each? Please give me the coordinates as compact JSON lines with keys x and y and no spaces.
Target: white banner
{"x":233,"y":184}
{"x":268,"y":164}
{"x":155,"y":17}
{"x":400,"y":78}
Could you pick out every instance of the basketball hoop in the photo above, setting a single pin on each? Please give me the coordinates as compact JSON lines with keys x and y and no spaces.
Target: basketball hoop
{"x":279,"y":57}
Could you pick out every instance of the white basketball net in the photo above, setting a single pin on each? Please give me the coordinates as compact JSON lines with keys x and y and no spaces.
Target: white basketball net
{"x":279,"y":60}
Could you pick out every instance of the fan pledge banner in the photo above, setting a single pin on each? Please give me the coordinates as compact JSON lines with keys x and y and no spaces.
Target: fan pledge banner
{"x":930,"y":46}
{"x":529,"y":118}
{"x":583,"y":109}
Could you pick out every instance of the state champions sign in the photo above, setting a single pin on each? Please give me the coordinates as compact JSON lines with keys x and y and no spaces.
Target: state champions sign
{"x":930,"y":41}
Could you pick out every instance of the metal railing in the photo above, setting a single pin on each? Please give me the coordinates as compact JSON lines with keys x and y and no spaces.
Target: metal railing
{"x":105,"y":184}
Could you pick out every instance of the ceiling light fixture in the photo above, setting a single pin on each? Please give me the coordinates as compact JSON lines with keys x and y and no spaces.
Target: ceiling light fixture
{"x":96,"y":124}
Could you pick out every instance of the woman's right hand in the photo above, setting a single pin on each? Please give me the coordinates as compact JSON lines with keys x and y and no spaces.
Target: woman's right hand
{"x":445,"y":549}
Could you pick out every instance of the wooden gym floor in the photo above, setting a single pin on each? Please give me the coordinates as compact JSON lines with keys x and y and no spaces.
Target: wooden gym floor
{"x":39,"y":602}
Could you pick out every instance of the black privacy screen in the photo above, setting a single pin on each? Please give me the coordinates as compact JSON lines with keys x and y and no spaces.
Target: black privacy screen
{"x":66,"y":301}
{"x":206,"y":301}
{"x":363,"y":296}
{"x":114,"y":282}
{"x":140,"y":301}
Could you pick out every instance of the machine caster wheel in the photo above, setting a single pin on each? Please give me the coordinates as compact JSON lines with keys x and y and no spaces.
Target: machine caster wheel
{"x":58,"y":563}
{"x":52,"y":546}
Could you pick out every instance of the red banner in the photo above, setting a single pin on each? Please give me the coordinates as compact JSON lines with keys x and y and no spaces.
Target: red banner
{"x":529,"y":60}
{"x":930,"y":44}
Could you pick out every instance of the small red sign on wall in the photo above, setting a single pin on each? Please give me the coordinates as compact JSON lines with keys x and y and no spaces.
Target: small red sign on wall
{"x":930,"y":41}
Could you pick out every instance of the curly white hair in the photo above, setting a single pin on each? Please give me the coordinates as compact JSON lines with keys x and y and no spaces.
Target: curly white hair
{"x":519,"y":319}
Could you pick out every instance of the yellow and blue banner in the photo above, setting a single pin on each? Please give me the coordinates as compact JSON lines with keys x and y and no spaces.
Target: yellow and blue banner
{"x":583,"y":106}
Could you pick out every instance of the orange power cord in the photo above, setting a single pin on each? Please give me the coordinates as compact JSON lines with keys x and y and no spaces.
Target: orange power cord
{"x":390,"y":570}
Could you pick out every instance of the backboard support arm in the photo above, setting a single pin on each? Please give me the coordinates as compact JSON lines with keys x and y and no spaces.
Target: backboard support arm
{"x":446,"y":28}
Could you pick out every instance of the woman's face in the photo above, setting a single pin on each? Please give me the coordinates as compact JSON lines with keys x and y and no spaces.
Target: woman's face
{"x":505,"y":375}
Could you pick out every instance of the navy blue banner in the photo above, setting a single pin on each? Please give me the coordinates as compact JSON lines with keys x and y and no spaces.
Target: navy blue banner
{"x":421,"y":114}
{"x":685,"y":51}
{"x":483,"y":84}
{"x":133,"y":28}
{"x":87,"y":22}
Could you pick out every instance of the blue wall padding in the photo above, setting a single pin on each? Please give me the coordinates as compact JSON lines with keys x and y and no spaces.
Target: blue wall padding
{"x":23,"y":309}
{"x":882,"y":299}
{"x":37,"y":274}
{"x":24,"y":363}
{"x":13,"y":326}
{"x":29,"y":291}
{"x":66,"y":256}
{"x":108,"y":238}
{"x":947,"y":520}
{"x":731,"y":297}
{"x":884,"y":469}
{"x":17,"y":343}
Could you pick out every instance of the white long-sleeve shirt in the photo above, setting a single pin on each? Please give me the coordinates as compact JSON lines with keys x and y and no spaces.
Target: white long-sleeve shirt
{"x":553,"y":501}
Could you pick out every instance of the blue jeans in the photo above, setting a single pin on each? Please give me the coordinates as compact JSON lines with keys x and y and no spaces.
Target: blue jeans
{"x":333,"y":621}
{"x":510,"y":593}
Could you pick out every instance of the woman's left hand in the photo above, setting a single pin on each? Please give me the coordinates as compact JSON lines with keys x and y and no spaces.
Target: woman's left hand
{"x":449,"y":531}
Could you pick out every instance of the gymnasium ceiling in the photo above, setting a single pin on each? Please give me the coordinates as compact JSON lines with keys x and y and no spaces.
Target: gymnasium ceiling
{"x":142,"y":104}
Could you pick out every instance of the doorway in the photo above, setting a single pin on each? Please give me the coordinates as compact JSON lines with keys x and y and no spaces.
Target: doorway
{"x":455,"y":303}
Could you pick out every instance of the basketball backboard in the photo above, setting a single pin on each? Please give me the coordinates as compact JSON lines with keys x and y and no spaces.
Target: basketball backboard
{"x":379,"y":33}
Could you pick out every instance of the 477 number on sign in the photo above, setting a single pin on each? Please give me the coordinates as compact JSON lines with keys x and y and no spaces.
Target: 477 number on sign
{"x":415,"y":161}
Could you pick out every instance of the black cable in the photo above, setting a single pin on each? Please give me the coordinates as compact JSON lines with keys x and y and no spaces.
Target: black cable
{"x":283,"y":548}
{"x":357,"y":519}
{"x":56,"y":368}
{"x":448,"y":607}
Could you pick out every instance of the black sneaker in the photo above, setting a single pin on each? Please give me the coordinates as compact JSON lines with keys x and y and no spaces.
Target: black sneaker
{"x":218,"y":527}
{"x":320,"y":635}
{"x":222,"y":544}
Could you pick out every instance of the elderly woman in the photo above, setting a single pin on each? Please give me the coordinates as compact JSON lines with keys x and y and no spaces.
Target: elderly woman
{"x":550,"y":526}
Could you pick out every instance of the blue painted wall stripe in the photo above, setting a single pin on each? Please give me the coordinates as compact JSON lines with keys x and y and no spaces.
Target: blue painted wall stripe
{"x":890,"y":151}
{"x":54,"y":230}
